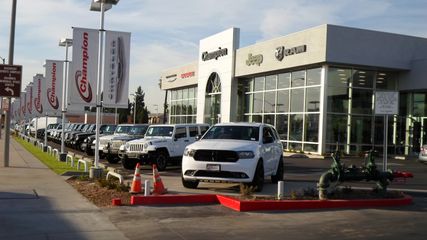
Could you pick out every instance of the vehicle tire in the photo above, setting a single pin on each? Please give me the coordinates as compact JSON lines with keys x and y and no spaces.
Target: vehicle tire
{"x":189,"y":183}
{"x":161,"y":160}
{"x":112,"y":159}
{"x":129,"y":164}
{"x":279,"y":173}
{"x":258,"y":180}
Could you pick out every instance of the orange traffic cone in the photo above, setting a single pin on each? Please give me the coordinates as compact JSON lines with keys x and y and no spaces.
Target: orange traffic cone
{"x":136,"y":182}
{"x":159,"y":188}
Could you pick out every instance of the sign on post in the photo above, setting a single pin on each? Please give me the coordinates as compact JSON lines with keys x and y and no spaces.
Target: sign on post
{"x":10,"y":80}
{"x":386,"y":103}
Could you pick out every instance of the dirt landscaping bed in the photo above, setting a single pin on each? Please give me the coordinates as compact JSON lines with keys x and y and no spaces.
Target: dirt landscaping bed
{"x":101,"y":192}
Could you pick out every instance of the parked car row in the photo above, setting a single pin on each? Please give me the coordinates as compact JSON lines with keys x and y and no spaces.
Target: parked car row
{"x":227,"y":152}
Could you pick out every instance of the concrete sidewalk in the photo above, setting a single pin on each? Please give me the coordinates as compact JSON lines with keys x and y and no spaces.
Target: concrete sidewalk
{"x":35,"y":203}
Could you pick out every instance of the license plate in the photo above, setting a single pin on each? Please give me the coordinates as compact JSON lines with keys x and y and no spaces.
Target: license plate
{"x":213,"y":167}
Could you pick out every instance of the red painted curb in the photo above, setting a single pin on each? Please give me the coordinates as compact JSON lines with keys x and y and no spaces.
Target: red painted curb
{"x":268,"y":205}
{"x":173,"y":199}
{"x":116,"y":202}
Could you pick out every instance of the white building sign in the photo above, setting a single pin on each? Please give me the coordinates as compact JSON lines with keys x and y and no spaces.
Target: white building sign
{"x":387,"y":103}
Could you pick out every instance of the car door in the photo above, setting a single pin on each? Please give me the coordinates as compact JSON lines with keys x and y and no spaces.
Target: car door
{"x":180,"y":141}
{"x":268,"y":149}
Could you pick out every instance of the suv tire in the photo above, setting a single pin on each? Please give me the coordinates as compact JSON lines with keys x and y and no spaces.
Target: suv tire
{"x":258,"y":180}
{"x":279,"y":173}
{"x":189,"y":184}
{"x":129,"y":164}
{"x":161,"y":160}
{"x":112,"y":159}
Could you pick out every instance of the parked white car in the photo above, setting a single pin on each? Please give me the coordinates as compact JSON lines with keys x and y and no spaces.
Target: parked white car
{"x":234,"y":152}
{"x":162,"y":144}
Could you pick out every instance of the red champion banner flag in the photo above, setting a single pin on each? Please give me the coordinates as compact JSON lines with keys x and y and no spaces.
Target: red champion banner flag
{"x":38,"y":82}
{"x":29,"y":101}
{"x":22,"y":105}
{"x":84,"y":68}
{"x":116,"y":69}
{"x":52,"y":89}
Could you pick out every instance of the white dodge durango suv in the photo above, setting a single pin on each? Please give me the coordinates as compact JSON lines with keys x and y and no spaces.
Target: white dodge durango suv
{"x":234,"y":152}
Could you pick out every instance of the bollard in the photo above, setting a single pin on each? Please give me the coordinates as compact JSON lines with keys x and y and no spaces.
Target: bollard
{"x":280,"y":190}
{"x":147,"y":187}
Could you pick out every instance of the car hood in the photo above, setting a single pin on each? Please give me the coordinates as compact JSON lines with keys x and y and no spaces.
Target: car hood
{"x":109,"y":137}
{"x":152,"y":140}
{"x":225,"y":144}
{"x":127,"y":137}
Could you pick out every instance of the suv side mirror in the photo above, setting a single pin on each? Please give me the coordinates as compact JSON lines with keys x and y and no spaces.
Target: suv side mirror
{"x":268,"y":139}
{"x":175,"y":139}
{"x":198,"y":137}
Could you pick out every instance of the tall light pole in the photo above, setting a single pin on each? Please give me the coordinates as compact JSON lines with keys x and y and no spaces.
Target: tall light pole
{"x":99,"y":6}
{"x":7,"y":115}
{"x":64,"y":42}
{"x":1,"y":100}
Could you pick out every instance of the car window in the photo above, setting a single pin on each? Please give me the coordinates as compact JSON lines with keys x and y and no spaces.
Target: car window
{"x":193,"y":131}
{"x":180,"y":132}
{"x":203,"y":129}
{"x":267,"y":135}
{"x":159,"y":131}
{"x":233,"y":132}
{"x":122,"y":129}
{"x":138,"y":130}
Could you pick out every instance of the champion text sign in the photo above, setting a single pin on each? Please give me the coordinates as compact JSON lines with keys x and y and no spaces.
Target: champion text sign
{"x":84,"y":68}
{"x":52,"y":90}
{"x":38,"y":82}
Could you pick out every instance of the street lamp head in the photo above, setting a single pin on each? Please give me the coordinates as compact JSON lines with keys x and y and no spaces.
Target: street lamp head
{"x":63,"y":42}
{"x":108,"y":4}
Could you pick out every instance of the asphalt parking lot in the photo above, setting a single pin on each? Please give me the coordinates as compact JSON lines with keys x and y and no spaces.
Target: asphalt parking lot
{"x":217,"y":222}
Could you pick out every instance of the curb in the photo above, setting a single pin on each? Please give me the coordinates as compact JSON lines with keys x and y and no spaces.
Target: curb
{"x":268,"y":205}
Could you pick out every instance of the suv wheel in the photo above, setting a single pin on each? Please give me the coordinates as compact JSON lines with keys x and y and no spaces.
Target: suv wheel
{"x":161,"y":160}
{"x":112,"y":159}
{"x":258,"y":180}
{"x":189,"y":184}
{"x":279,"y":173}
{"x":129,"y":164}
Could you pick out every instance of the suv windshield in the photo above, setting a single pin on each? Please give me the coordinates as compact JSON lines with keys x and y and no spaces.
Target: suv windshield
{"x":108,"y":128}
{"x":138,"y":130}
{"x":159,"y":131}
{"x":123,"y":129}
{"x":233,"y":132}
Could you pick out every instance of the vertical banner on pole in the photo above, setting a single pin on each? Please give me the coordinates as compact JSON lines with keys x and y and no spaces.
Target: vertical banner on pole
{"x":29,"y":101}
{"x":116,"y":69}
{"x":38,"y":82}
{"x":386,"y":103}
{"x":52,"y":89}
{"x":83,"y":70}
{"x":22,"y":105}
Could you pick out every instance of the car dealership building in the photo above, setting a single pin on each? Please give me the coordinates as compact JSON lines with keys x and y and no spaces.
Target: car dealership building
{"x":316,"y":86}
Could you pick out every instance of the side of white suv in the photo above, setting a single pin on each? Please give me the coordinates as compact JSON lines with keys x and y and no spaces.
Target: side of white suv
{"x":161,"y":145}
{"x":234,"y":152}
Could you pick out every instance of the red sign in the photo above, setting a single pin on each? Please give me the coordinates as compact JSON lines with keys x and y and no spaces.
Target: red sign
{"x":10,"y":80}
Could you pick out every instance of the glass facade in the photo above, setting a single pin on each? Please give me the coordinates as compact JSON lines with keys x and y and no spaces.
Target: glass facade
{"x":351,"y":122}
{"x":183,"y":105}
{"x":290,"y":101}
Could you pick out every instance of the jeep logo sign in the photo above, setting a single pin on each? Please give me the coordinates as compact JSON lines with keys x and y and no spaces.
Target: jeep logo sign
{"x":254,"y":59}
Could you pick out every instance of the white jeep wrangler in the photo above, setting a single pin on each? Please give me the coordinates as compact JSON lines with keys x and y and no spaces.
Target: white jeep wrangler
{"x":161,"y":145}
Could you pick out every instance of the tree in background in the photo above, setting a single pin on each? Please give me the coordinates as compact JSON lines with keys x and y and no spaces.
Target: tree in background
{"x":140,"y":108}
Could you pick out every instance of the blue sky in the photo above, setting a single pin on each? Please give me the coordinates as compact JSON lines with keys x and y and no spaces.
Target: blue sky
{"x":166,"y":33}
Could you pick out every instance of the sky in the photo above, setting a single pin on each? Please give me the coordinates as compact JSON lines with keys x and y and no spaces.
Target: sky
{"x":166,"y":33}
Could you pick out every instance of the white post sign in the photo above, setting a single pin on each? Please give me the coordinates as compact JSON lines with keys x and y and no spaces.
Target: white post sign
{"x":386,"y":103}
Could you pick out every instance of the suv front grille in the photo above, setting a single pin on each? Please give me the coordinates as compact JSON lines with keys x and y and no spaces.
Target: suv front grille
{"x":138,"y":147}
{"x":215,"y":156}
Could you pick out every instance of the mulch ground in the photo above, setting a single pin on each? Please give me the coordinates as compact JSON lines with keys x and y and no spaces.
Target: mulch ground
{"x":100,"y":196}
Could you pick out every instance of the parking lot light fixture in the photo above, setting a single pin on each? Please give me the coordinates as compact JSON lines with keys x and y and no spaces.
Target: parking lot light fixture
{"x":64,"y":42}
{"x":99,"y":6}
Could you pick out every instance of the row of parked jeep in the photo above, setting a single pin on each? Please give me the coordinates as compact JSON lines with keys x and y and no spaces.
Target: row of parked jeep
{"x":231,"y":152}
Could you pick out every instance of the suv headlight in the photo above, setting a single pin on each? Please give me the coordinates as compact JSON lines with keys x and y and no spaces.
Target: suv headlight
{"x":245,"y":154}
{"x":189,"y":152}
{"x":126,"y":145}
